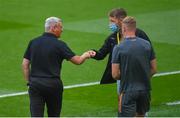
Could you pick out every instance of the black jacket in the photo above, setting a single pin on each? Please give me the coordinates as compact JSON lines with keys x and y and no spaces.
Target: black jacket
{"x":107,"y":48}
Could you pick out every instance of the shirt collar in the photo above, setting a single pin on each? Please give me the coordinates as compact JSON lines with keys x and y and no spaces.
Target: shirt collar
{"x":130,"y":38}
{"x":49,"y":35}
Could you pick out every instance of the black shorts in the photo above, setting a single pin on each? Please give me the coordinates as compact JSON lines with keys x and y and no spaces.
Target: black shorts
{"x":135,"y":102}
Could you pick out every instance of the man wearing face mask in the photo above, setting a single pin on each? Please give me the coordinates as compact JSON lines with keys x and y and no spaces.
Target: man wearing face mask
{"x":115,"y":19}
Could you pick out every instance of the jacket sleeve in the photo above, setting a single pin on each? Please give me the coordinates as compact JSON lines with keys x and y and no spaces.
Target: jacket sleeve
{"x":142,"y":35}
{"x":103,"y":51}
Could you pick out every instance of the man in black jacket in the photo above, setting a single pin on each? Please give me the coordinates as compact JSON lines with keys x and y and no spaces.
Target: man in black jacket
{"x":115,"y":18}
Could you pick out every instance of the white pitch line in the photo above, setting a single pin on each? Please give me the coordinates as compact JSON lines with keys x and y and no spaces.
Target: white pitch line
{"x":65,"y":87}
{"x":166,"y":73}
{"x":83,"y":85}
{"x":13,"y":94}
{"x":173,"y":103}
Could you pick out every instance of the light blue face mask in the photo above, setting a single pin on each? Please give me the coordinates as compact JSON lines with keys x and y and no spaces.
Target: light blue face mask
{"x":113,"y":27}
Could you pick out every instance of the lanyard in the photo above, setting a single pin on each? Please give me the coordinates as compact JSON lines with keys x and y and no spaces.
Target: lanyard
{"x":118,"y":40}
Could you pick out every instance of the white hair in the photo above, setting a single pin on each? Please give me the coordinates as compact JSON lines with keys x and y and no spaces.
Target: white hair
{"x":51,"y":21}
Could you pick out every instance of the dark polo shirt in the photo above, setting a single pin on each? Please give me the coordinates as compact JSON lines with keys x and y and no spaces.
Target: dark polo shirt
{"x":134,"y":56}
{"x":46,"y":54}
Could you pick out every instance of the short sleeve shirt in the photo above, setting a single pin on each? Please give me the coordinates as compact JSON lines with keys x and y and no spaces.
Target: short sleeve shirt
{"x":46,"y":54}
{"x":134,"y":56}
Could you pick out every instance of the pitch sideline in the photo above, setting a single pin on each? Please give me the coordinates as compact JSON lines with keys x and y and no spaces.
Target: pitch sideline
{"x":88,"y":84}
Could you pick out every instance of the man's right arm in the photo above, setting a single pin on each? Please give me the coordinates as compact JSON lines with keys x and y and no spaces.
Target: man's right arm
{"x":116,"y":72}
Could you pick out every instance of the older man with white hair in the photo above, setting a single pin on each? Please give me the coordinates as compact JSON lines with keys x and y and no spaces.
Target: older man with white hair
{"x":42,"y":68}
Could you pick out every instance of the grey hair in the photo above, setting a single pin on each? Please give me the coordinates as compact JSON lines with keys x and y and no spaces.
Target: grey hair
{"x":51,"y":21}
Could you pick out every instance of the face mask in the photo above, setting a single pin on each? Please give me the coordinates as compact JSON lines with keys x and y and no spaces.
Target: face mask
{"x":113,"y":27}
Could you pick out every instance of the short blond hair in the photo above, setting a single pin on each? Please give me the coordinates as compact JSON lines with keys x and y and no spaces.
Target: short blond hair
{"x":129,"y":22}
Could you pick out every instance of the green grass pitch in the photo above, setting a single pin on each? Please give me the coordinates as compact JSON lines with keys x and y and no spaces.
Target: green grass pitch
{"x":86,"y":27}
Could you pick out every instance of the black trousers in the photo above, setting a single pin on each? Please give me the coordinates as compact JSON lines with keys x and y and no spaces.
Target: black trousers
{"x":41,"y":95}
